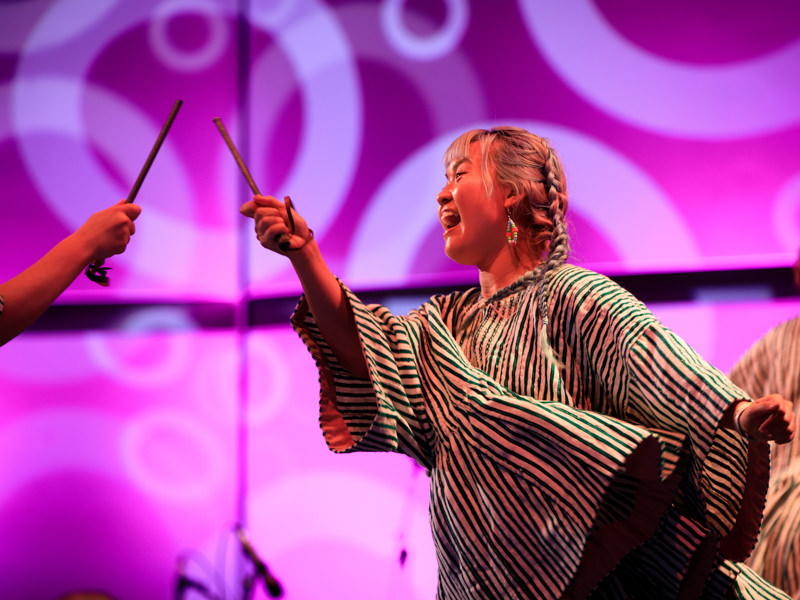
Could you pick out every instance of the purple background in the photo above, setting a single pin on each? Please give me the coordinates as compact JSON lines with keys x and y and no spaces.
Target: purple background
{"x":128,"y":447}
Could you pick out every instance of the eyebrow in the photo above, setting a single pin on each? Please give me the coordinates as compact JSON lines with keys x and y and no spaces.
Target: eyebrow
{"x":453,"y":166}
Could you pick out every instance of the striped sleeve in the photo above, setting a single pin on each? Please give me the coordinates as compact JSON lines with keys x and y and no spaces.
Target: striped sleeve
{"x":386,"y":412}
{"x":772,"y":365}
{"x":728,"y":475}
{"x":776,"y":555}
{"x":640,"y":371}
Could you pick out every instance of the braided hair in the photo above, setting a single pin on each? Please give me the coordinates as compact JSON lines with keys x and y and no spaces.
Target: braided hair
{"x":527,"y":165}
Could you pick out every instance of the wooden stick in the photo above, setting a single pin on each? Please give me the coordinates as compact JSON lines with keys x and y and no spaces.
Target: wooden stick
{"x":284,"y":243}
{"x":160,"y":140}
{"x":239,"y":161}
{"x":96,"y":271}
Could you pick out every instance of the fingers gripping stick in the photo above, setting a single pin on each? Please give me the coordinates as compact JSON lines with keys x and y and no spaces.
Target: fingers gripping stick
{"x":284,"y":243}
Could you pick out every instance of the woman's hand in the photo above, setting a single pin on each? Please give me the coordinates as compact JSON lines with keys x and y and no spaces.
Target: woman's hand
{"x":766,"y":419}
{"x":107,"y":232}
{"x":276,"y":229}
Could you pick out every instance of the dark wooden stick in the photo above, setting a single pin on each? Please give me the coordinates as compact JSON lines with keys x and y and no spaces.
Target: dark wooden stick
{"x":160,"y":140}
{"x":284,"y":243}
{"x":96,"y":271}
{"x":237,"y":157}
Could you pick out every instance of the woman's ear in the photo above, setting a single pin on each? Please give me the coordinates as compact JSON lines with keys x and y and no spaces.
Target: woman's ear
{"x":512,"y":197}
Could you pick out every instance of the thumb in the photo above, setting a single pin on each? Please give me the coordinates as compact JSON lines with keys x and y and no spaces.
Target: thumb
{"x":248,"y":209}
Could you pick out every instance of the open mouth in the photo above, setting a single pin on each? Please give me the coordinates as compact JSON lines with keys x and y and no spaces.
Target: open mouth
{"x":449,"y":220}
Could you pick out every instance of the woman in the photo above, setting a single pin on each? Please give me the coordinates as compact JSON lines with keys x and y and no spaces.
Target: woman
{"x":575,"y":446}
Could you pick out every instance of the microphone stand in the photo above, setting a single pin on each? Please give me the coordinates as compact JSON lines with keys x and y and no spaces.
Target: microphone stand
{"x":247,"y":586}
{"x":272,"y":585}
{"x":183,"y":582}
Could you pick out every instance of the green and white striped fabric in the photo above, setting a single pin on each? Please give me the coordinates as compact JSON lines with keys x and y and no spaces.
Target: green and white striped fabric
{"x":604,"y":475}
{"x":772,"y":366}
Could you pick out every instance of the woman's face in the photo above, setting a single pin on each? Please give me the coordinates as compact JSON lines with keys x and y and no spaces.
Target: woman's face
{"x":474,"y":223}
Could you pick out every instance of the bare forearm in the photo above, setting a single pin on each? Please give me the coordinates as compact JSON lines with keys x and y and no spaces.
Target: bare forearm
{"x":31,"y":292}
{"x":331,"y":310}
{"x":293,"y":238}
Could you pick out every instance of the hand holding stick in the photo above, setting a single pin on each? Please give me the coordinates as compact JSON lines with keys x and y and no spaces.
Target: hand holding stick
{"x":285,"y":243}
{"x":96,"y":271}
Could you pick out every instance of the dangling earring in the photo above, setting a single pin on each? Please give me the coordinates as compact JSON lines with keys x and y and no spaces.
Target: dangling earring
{"x":511,"y":230}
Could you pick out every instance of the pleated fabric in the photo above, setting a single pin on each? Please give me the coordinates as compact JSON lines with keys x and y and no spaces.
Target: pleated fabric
{"x":772,"y":365}
{"x":604,"y":476}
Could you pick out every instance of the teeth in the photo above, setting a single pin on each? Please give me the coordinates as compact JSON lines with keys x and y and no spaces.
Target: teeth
{"x":449,"y":219}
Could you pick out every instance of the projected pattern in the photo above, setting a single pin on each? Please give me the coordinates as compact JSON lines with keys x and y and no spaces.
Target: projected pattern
{"x":678,"y":129}
{"x":670,"y":142}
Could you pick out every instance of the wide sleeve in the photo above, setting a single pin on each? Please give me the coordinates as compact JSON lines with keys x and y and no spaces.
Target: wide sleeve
{"x":641,"y":372}
{"x":386,"y":412}
{"x":772,"y":365}
{"x":728,"y":476}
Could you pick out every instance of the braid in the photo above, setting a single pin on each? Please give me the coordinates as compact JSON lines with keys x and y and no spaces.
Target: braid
{"x":559,"y":238}
{"x":558,"y":250}
{"x":530,"y":167}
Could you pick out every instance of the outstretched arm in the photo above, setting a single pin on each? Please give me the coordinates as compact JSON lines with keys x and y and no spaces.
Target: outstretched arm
{"x":30,"y":293}
{"x":325,"y":297}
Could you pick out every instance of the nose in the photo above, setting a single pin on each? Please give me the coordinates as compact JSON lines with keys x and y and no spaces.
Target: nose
{"x":444,"y":196}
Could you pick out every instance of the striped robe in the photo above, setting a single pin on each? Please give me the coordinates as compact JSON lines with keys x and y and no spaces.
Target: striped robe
{"x":772,"y":365}
{"x":604,"y":476}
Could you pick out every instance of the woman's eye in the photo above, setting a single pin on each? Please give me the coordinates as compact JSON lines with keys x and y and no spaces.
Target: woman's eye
{"x":459,"y":174}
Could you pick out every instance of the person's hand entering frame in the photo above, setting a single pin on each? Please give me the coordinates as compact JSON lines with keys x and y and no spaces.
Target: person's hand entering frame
{"x":26,"y":296}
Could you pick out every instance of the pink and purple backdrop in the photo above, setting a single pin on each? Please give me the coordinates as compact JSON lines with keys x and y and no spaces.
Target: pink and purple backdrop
{"x":128,"y":446}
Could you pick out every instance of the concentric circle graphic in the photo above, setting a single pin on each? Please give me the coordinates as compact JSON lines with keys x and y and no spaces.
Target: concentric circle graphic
{"x":191,"y":464}
{"x":753,"y":97}
{"x":177,"y":58}
{"x":424,"y":48}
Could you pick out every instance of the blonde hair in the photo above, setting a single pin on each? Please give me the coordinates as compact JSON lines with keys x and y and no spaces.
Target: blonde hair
{"x":526,"y":164}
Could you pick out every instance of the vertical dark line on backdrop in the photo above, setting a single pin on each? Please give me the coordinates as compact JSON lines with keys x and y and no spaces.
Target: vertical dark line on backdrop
{"x":243,"y":304}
